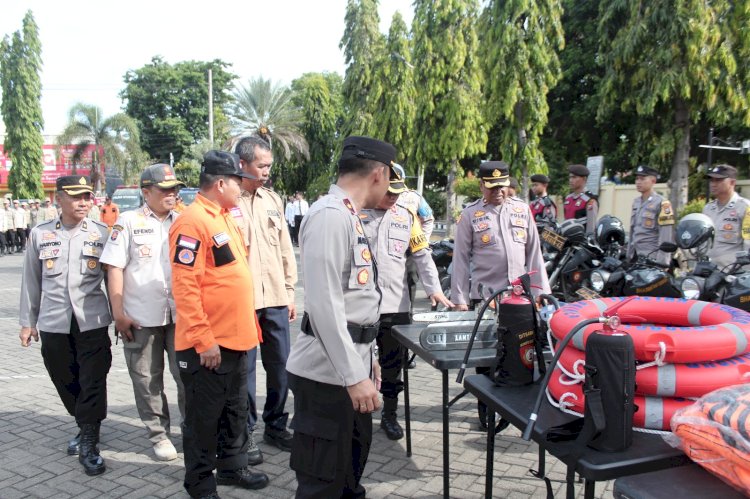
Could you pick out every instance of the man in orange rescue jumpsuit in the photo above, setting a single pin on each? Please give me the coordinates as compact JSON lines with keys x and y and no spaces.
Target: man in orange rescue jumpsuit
{"x":215,"y":327}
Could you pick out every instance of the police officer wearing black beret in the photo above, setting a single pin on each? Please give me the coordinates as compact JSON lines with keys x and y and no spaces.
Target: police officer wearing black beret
{"x":542,"y":206}
{"x":333,"y":368}
{"x":580,"y":204}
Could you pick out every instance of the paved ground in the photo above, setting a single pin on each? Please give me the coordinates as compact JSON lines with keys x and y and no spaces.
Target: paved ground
{"x":34,"y":428}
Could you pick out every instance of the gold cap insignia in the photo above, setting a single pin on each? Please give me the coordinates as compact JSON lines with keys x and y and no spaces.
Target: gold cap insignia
{"x":496,"y":173}
{"x":82,"y":181}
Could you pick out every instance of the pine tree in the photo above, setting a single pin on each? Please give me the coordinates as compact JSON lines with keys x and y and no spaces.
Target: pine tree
{"x":672,"y":61}
{"x":449,"y":124}
{"x":20,"y":64}
{"x":363,"y":46}
{"x":519,"y":54}
{"x":394,"y":119}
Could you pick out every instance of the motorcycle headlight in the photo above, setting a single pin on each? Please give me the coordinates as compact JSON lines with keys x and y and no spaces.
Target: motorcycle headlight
{"x":598,"y":280}
{"x":691,"y":288}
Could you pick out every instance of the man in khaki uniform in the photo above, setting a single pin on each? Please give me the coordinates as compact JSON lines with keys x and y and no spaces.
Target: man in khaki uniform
{"x":730,"y":215}
{"x":395,"y":236}
{"x":274,"y":269}
{"x":140,"y":289}
{"x":652,"y":219}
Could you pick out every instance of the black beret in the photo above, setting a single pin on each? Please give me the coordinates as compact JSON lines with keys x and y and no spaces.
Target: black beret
{"x":644,"y":170}
{"x":369,"y":148}
{"x":494,"y":174}
{"x":579,"y":170}
{"x":223,"y":163}
{"x":542,"y":179}
{"x":74,"y":184}
{"x":722,"y":171}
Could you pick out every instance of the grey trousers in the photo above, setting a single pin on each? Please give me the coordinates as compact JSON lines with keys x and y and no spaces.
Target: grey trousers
{"x":145,"y":359}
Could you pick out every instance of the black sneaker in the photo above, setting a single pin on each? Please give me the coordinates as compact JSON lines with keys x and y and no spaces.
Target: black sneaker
{"x":242,"y":477}
{"x":278,"y":438}
{"x":210,"y":495}
{"x":254,"y":455}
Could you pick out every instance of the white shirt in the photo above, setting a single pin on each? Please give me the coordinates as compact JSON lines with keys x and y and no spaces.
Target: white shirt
{"x":139,"y":244}
{"x":301,"y":207}
{"x":289,"y":213}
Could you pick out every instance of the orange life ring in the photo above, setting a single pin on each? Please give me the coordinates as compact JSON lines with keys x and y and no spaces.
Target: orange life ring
{"x":674,"y":380}
{"x":651,"y":412}
{"x":696,"y":331}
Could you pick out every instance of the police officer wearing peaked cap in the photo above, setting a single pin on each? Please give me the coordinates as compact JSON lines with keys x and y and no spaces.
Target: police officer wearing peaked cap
{"x":651,"y":220}
{"x":580,"y":204}
{"x":497,"y":239}
{"x":62,"y":301}
{"x":730,"y":214}
{"x":333,"y":370}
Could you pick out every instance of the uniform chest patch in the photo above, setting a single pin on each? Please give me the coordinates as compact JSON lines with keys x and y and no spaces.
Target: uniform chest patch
{"x":221,"y":238}
{"x":366,"y":255}
{"x":144,"y":250}
{"x":94,"y":236}
{"x":363,"y":276}
{"x":91,"y":264}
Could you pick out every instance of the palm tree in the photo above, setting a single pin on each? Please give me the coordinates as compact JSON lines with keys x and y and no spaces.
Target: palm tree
{"x":266,"y":109}
{"x":117,"y":136}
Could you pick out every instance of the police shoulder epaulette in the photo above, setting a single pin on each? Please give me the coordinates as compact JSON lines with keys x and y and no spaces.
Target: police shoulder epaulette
{"x":100,"y":224}
{"x":591,"y":195}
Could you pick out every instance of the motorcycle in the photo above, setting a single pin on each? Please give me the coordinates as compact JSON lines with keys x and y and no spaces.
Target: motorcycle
{"x":442,"y":255}
{"x":644,"y":277}
{"x":574,"y":256}
{"x":729,"y":285}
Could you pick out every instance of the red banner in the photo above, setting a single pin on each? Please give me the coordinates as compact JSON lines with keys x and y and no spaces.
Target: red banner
{"x":58,"y":161}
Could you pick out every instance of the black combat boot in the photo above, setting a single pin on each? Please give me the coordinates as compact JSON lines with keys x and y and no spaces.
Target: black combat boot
{"x":89,"y":456}
{"x":388,"y":420}
{"x":74,"y":445}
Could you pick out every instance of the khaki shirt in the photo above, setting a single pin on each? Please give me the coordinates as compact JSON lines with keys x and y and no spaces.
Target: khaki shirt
{"x":340,"y":288}
{"x":501,"y":243}
{"x":3,"y":220}
{"x":651,"y":223}
{"x":19,"y":218}
{"x":139,"y":244}
{"x":732,"y":229}
{"x":62,"y":277}
{"x":270,"y":251}
{"x":9,"y":219}
{"x":394,"y":235}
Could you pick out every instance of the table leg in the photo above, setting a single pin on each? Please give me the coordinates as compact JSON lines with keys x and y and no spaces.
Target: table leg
{"x":446,"y":434}
{"x":542,"y":456}
{"x":570,"y":477}
{"x":407,"y":407}
{"x":589,"y":489}
{"x":489,"y":471}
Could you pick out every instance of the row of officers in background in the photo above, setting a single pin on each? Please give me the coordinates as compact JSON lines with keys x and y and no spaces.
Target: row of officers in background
{"x":214,"y":287}
{"x":16,"y":220}
{"x":652,"y":219}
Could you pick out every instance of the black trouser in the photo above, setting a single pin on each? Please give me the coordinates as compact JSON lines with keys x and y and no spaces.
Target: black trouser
{"x":3,"y":242}
{"x":78,"y":364}
{"x":10,"y":240}
{"x":215,"y":433}
{"x":21,"y":238}
{"x":292,"y":233}
{"x":274,"y":351}
{"x":297,"y":225}
{"x":391,"y":354}
{"x":331,"y":441}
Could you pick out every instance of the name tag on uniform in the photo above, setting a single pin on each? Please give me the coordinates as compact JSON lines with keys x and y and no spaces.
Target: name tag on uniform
{"x":221,"y":238}
{"x":236,"y":212}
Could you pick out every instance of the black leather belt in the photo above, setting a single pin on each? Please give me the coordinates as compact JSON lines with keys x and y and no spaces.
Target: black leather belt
{"x":359,"y":334}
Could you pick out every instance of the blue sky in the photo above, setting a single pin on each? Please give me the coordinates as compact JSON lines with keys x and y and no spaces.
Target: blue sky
{"x":87,"y":45}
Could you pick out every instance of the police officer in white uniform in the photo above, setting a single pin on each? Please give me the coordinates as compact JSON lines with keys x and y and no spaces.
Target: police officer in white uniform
{"x":497,"y":235}
{"x":333,"y":371}
{"x":395,"y":236}
{"x":652,"y":219}
{"x":140,"y":288}
{"x":730,"y":215}
{"x":63,"y":302}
